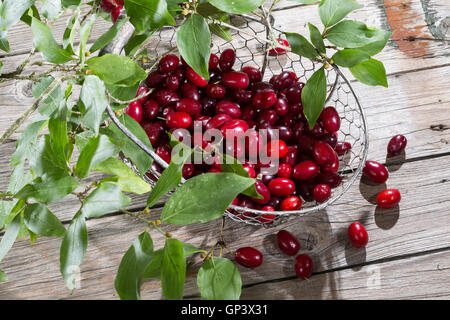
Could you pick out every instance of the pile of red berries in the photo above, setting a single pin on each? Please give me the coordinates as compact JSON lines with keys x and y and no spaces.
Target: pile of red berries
{"x":113,"y":7}
{"x":236,"y":101}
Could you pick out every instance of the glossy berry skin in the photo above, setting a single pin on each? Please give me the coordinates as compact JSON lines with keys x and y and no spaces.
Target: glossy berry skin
{"x":235,"y":80}
{"x":262,"y":189}
{"x":276,"y":148}
{"x":242,"y":96}
{"x":195,"y":78}
{"x":134,"y":110}
{"x":388,"y":198}
{"x":268,"y":116}
{"x":250,"y":170}
{"x":153,"y":131}
{"x":213,"y":61}
{"x":287,"y":243}
{"x":279,"y":51}
{"x":179,"y":120}
{"x":330,"y":119}
{"x":189,"y":106}
{"x":215,"y":90}
{"x":141,"y":91}
{"x":166,"y":97}
{"x":305,"y":170}
{"x":227,"y":59}
{"x":151,"y":109}
{"x":357,"y":235}
{"x":248,"y":257}
{"x":229,"y":108}
{"x":172,"y":83}
{"x":264,"y":99}
{"x":281,"y":106}
{"x":281,"y":187}
{"x":168,"y":63}
{"x":375,"y":171}
{"x":188,"y":170}
{"x":332,"y":179}
{"x":284,"y":170}
{"x":333,"y":167}
{"x":330,"y":138}
{"x":234,"y":128}
{"x":303,"y":266}
{"x":321,"y":192}
{"x":188,"y":90}
{"x":155,"y":79}
{"x":164,"y":153}
{"x":342,"y":148}
{"x":254,"y":74}
{"x":323,"y":153}
{"x":290,"y":157}
{"x":291,"y":203}
{"x":294,"y":93}
{"x":217,"y":121}
{"x":396,"y":145}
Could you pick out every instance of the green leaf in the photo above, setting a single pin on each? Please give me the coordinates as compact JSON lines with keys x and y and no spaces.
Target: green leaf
{"x":148,"y":15}
{"x":106,"y":198}
{"x":219,"y":279}
{"x":94,"y":99}
{"x":3,"y":276}
{"x":134,"y":262}
{"x":58,"y":134}
{"x":239,"y":7}
{"x":139,"y":157}
{"x":45,"y":162}
{"x":204,"y":198}
{"x":314,"y":95}
{"x":305,"y":1}
{"x":97,"y":150}
{"x":171,"y":176}
{"x":193,"y":41}
{"x":42,"y":221}
{"x":51,"y":9}
{"x":32,"y":12}
{"x":370,"y":72}
{"x":117,"y":70}
{"x":11,"y":11}
{"x":55,"y":100}
{"x":24,"y":146}
{"x":4,"y":44}
{"x":333,"y":11}
{"x":122,"y":93}
{"x":135,"y":42}
{"x":68,"y":3}
{"x":70,"y":32}
{"x":221,"y":31}
{"x":349,"y":57}
{"x":73,"y":250}
{"x":128,"y":181}
{"x":301,"y":46}
{"x":353,"y":34}
{"x":316,"y":38}
{"x":49,"y":190}
{"x":85,"y":30}
{"x":108,"y":36}
{"x":189,"y":249}
{"x":82,"y":139}
{"x":10,"y":236}
{"x":173,"y":270}
{"x":43,"y":41}
{"x":375,"y":47}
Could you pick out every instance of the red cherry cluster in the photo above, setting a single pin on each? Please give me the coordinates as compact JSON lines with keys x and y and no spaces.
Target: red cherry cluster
{"x":234,"y":102}
{"x":113,"y":7}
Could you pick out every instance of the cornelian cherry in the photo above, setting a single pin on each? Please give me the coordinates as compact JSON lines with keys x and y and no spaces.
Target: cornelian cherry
{"x":291,"y":203}
{"x":287,"y":242}
{"x":303,"y":266}
{"x":179,"y":120}
{"x":248,"y":257}
{"x":357,"y":235}
{"x":396,"y":145}
{"x":321,"y":192}
{"x":375,"y":171}
{"x":276,"y":148}
{"x":281,"y":187}
{"x":388,"y":198}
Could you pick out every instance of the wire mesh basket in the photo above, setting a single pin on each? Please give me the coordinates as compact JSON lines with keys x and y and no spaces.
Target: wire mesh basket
{"x":251,"y":48}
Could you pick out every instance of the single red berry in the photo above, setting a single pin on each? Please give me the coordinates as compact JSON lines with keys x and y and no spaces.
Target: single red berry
{"x":303,"y":266}
{"x":234,"y":128}
{"x":251,"y":171}
{"x":229,"y":108}
{"x":168,"y":63}
{"x":172,"y":83}
{"x":342,"y":148}
{"x":141,"y":91}
{"x":213,"y":61}
{"x":189,"y":106}
{"x":330,"y":119}
{"x":287,"y":242}
{"x":375,"y":171}
{"x":281,"y":187}
{"x":332,"y":179}
{"x":305,"y":170}
{"x":276,"y":148}
{"x":321,"y":192}
{"x":134,"y":110}
{"x":235,"y":80}
{"x":264,"y":99}
{"x":281,"y":107}
{"x":248,"y":257}
{"x":217,"y":121}
{"x":215,"y":90}
{"x":155,"y":79}
{"x":323,"y":153}
{"x":396,"y":145}
{"x":284,"y":170}
{"x":254,"y":74}
{"x":291,"y":203}
{"x":166,"y":97}
{"x":195,"y":78}
{"x":188,"y":90}
{"x":262,"y":189}
{"x":151,"y":109}
{"x":357,"y":235}
{"x":179,"y":120}
{"x":164,"y":152}
{"x":294,"y":93}
{"x":227,"y":59}
{"x":388,"y":198}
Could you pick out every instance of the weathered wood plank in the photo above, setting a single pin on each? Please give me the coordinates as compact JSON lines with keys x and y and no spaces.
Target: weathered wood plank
{"x":421,"y":277}
{"x":421,"y":223}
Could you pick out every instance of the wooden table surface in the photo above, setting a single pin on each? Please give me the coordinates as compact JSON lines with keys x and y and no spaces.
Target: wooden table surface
{"x":408,"y":255}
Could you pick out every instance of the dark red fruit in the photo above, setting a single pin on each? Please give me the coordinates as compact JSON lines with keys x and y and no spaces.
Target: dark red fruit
{"x":188,"y":90}
{"x":283,"y":81}
{"x":250,"y":170}
{"x":235,"y":80}
{"x":268,"y":116}
{"x":305,"y":170}
{"x":375,"y":171}
{"x":262,"y":86}
{"x":388,"y":198}
{"x":284,"y":170}
{"x":227,"y":59}
{"x":342,"y":148}
{"x":323,"y":153}
{"x":291,"y":156}
{"x":142,"y":90}
{"x":298,"y":130}
{"x":213,"y":61}
{"x":242,"y":96}
{"x":188,"y":105}
{"x":294,"y":93}
{"x":281,"y":187}
{"x":330,"y":119}
{"x":151,"y":109}
{"x":303,"y":266}
{"x":287,"y":242}
{"x":396,"y":145}
{"x":321,"y":192}
{"x":134,"y":110}
{"x":330,"y":178}
{"x":155,"y":79}
{"x":217,"y":121}
{"x":357,"y":235}
{"x":195,"y":78}
{"x":306,"y":144}
{"x":208,"y":106}
{"x":115,"y":13}
{"x":166,"y":97}
{"x":281,"y":106}
{"x":172,"y":83}
{"x":264,"y":99}
{"x":254,"y":74}
{"x":234,"y":128}
{"x":164,"y":153}
{"x":248,"y":257}
{"x":291,"y":203}
{"x":305,"y":189}
{"x":168,"y":63}
{"x":188,"y":170}
{"x":330,"y":138}
{"x":333,"y":167}
{"x":229,"y":108}
{"x":316,"y":132}
{"x":179,"y":120}
{"x":262,"y":189}
{"x":153,"y":131}
{"x":276,"y":148}
{"x":279,"y":51}
{"x":215,"y":90}
{"x":284,"y":132}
